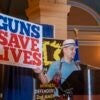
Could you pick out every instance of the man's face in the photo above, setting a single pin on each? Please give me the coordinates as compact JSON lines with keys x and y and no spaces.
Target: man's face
{"x":69,"y":51}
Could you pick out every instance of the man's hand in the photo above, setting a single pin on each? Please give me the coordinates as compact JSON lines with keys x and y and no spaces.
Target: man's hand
{"x":43,"y":78}
{"x":37,"y":70}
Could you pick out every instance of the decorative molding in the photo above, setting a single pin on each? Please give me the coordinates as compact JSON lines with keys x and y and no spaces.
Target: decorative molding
{"x":89,"y":43}
{"x":84,"y":28}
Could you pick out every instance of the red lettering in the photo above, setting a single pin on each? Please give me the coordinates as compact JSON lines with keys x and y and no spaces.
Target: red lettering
{"x":15,"y":55}
{"x":14,"y":52}
{"x":27,"y":57}
{"x":24,"y":41}
{"x":3,"y":38}
{"x":13,"y":42}
{"x":4,"y":55}
{"x":34,"y":44}
{"x":37,"y":59}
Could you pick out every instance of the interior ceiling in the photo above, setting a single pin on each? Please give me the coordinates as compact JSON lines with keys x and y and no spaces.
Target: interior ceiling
{"x":17,"y":7}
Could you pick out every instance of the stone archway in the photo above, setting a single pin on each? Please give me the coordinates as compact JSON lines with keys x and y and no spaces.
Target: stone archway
{"x":87,"y":9}
{"x":89,"y":32}
{"x":85,"y":19}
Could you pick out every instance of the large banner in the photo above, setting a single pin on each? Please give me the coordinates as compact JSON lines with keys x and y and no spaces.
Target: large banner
{"x":20,"y":42}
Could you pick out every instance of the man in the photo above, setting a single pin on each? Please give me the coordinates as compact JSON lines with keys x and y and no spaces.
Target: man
{"x":65,"y":66}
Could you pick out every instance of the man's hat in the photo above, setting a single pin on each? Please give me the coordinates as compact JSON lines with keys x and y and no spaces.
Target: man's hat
{"x":68,"y":42}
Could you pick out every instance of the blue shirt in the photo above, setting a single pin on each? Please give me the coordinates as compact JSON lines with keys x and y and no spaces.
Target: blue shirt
{"x":66,"y":70}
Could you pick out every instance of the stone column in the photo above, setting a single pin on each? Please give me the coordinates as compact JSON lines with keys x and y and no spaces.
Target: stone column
{"x":53,"y":12}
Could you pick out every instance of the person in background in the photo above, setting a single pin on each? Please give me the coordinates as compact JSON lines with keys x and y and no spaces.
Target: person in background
{"x":61,"y":69}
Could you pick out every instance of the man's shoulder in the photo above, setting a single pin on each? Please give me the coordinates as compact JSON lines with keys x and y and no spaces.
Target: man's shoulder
{"x":57,"y":62}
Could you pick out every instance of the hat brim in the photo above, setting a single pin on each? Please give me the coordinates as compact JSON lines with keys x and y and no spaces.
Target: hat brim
{"x":67,"y":45}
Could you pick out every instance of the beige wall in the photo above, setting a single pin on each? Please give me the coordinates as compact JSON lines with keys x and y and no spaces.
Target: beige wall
{"x":55,"y":12}
{"x":90,"y":55}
